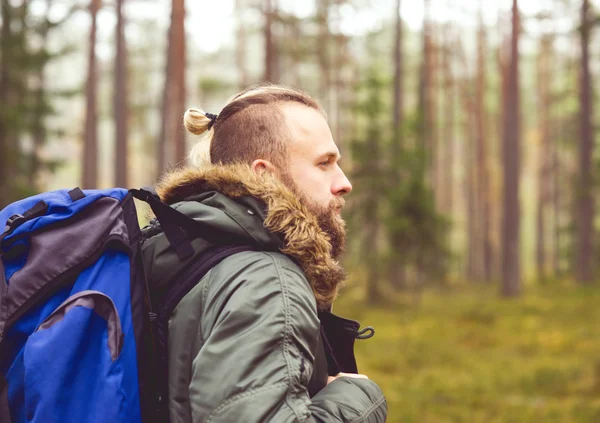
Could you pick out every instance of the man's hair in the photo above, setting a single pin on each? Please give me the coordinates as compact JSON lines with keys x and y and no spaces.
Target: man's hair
{"x":251,"y":126}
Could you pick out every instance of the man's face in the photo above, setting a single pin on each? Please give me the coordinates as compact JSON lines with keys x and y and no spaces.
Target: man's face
{"x":313,"y":172}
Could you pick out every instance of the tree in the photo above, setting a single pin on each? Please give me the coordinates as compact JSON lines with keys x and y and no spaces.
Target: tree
{"x":271,"y":53}
{"x":322,"y":48}
{"x":41,"y":107}
{"x":171,"y":144}
{"x":427,"y":95}
{"x":90,"y":140}
{"x":483,"y":186}
{"x":584,"y":194}
{"x":368,"y":151}
{"x":397,"y":267}
{"x":472,"y":262}
{"x":241,"y":44}
{"x":447,"y":153}
{"x":121,"y":108}
{"x":7,"y":148}
{"x":511,"y":271}
{"x":545,"y":154}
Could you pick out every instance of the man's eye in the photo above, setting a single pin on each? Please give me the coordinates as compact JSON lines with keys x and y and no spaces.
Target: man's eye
{"x":324,"y":163}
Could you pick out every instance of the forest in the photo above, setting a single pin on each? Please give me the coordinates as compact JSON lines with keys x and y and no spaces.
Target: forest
{"x":469,"y":130}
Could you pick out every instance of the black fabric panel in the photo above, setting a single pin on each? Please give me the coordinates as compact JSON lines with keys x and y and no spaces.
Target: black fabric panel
{"x":320,"y":373}
{"x":4,"y":407}
{"x":339,"y":335}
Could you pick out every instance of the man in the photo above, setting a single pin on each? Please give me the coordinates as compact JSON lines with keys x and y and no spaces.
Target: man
{"x":245,"y":343}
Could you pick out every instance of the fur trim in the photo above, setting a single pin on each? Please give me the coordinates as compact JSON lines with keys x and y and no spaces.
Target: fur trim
{"x":304,"y":240}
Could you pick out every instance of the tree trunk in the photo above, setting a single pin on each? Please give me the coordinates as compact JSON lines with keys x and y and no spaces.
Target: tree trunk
{"x":584,"y":196}
{"x":397,"y":269}
{"x":271,"y":54}
{"x":544,"y":164}
{"x":121,"y":108}
{"x":171,"y":145}
{"x":90,"y":142}
{"x":428,"y":95}
{"x":38,"y":124}
{"x":342,"y":88}
{"x":483,"y":186}
{"x":473,"y":251}
{"x":511,"y":272}
{"x":7,"y":159}
{"x":323,"y":43}
{"x":447,"y":168}
{"x":179,"y":81}
{"x":241,"y":45}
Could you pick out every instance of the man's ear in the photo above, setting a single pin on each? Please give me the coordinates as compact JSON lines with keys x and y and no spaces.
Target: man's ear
{"x":259,"y":166}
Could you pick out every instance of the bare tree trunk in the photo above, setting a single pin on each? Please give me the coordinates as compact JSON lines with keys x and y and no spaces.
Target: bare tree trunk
{"x":241,"y":45}
{"x":473,"y":252}
{"x":511,"y":274}
{"x":121,"y":108}
{"x":7,"y":159}
{"x":544,"y":164}
{"x":171,"y":145}
{"x":323,"y":43}
{"x":90,"y":142}
{"x":584,"y":197}
{"x":296,"y":34}
{"x":179,"y":81}
{"x":424,"y":83}
{"x":38,"y":126}
{"x":428,"y":94}
{"x":397,"y":266}
{"x":483,"y":186}
{"x":447,"y":169}
{"x":470,"y":137}
{"x":271,"y":54}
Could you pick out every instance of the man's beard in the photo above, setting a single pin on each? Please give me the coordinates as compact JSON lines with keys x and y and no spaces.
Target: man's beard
{"x":328,"y":218}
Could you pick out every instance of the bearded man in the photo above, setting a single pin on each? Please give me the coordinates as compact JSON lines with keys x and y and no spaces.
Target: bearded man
{"x":247,"y":343}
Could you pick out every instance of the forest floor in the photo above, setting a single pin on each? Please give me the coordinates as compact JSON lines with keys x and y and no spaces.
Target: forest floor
{"x":466,"y":355}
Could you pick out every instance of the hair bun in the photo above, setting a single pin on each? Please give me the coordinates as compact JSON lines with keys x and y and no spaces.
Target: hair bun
{"x":196,"y":122}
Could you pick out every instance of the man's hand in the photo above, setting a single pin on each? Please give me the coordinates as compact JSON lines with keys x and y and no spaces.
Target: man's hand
{"x":354,"y":375}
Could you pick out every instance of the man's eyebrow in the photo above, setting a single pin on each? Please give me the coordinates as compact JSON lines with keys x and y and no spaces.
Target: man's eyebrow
{"x":329,"y":155}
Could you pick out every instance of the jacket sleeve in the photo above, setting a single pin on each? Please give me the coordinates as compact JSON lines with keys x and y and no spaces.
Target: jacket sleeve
{"x":259,"y":351}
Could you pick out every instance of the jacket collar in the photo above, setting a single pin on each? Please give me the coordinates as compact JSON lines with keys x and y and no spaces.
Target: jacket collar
{"x":286,"y":216}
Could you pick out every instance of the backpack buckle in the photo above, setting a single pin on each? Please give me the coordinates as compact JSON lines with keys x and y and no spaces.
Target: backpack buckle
{"x":13,"y":223}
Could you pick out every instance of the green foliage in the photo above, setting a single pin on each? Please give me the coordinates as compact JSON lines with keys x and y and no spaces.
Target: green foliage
{"x":211,"y":86}
{"x":467,"y":356}
{"x":396,"y":185}
{"x":26,"y":102}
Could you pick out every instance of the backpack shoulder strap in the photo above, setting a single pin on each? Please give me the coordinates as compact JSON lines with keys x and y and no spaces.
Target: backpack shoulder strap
{"x":179,"y":228}
{"x":171,"y":299}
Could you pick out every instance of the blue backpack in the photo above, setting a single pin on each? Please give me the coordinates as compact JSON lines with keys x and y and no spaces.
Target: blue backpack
{"x":79,"y":340}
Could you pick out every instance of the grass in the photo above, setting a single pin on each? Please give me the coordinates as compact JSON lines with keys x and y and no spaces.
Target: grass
{"x":468,"y":356}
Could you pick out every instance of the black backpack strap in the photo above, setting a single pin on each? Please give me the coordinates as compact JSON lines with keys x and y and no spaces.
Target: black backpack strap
{"x":174,"y":295}
{"x":172,"y":222}
{"x":179,"y":228}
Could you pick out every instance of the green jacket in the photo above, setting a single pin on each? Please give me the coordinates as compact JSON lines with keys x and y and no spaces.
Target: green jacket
{"x":244,"y":342}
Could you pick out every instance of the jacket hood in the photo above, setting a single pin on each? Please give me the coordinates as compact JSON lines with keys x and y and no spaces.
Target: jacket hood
{"x":288,"y":224}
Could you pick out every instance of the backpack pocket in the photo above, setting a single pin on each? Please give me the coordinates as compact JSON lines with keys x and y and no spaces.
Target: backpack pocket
{"x":72,"y":371}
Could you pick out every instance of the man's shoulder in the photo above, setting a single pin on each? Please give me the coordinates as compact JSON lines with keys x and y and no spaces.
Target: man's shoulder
{"x":261,"y":267}
{"x":268,"y":261}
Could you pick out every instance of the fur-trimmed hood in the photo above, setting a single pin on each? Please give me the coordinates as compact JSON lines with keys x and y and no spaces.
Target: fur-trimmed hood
{"x":303,"y":239}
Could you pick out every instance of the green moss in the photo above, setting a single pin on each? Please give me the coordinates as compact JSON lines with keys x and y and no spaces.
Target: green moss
{"x":469,"y":356}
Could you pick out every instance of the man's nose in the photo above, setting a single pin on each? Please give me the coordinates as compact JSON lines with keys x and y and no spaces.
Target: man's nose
{"x":342,"y":185}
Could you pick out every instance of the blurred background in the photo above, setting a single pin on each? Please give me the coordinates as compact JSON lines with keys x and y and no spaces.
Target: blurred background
{"x":468,"y":129}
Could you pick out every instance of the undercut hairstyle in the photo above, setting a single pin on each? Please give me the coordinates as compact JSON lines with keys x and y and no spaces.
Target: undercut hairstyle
{"x":250,"y":127}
